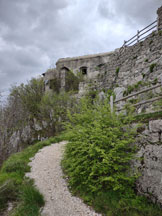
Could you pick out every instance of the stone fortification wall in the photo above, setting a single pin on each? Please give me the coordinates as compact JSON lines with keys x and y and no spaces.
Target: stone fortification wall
{"x":141,"y":62}
{"x":88,"y":61}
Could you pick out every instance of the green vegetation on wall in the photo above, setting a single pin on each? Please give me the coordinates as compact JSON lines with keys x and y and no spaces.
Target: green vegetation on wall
{"x":55,"y":84}
{"x":135,"y":87}
{"x":71,"y":82}
{"x":152,"y":66}
{"x":117,"y":71}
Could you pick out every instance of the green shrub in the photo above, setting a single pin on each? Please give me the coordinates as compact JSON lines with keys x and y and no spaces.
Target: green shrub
{"x":117,"y":71}
{"x":97,"y":161}
{"x":152,"y":66}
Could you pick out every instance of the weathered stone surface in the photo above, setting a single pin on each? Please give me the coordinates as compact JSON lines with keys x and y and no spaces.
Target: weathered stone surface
{"x":101,"y":95}
{"x":119,"y":92}
{"x":150,"y":161}
{"x":14,"y":142}
{"x":150,"y":182}
{"x":155,"y":126}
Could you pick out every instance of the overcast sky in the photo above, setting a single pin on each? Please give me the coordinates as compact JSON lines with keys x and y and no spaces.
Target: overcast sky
{"x":34,"y":34}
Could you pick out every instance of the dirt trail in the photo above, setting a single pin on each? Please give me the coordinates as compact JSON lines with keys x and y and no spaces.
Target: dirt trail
{"x":48,"y":176}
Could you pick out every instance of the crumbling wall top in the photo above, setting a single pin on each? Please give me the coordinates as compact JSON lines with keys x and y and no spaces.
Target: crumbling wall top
{"x":85,"y":57}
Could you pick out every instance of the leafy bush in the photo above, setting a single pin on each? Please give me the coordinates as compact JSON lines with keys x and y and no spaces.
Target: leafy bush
{"x":99,"y":153}
{"x":97,"y":160}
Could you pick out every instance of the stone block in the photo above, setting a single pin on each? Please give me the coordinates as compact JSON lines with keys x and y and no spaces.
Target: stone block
{"x":155,"y":126}
{"x":119,"y":92}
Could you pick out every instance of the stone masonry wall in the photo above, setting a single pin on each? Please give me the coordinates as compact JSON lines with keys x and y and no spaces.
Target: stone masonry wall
{"x":150,"y":161}
{"x":133,"y":64}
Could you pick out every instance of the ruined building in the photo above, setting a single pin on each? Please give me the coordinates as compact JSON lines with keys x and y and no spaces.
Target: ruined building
{"x":122,"y":67}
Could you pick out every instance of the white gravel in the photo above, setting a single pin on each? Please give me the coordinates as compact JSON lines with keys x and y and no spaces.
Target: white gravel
{"x":48,"y":176}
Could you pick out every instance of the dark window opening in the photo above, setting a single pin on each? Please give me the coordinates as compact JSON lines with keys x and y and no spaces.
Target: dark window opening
{"x":83,"y":70}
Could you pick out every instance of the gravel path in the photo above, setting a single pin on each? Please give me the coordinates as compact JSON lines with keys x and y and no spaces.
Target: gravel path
{"x":48,"y":176}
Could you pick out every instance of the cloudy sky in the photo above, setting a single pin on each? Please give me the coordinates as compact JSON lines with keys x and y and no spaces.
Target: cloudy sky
{"x":34,"y":34}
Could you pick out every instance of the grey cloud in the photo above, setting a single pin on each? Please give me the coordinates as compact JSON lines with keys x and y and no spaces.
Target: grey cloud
{"x":36,"y":33}
{"x":133,"y":12}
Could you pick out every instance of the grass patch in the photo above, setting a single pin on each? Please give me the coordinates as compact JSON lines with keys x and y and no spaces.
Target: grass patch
{"x":14,"y":187}
{"x":30,"y":200}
